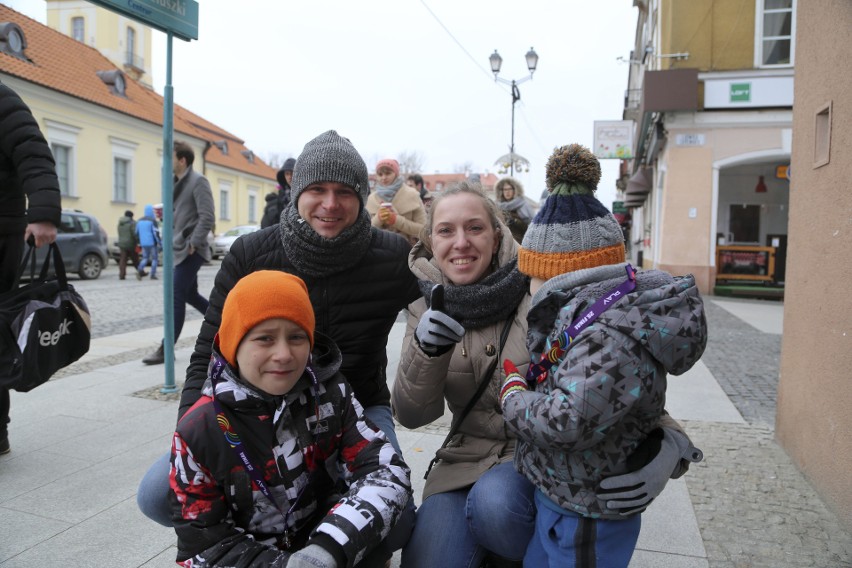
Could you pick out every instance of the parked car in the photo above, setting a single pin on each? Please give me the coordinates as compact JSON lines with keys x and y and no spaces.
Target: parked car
{"x":83,"y":244}
{"x":222,"y":243}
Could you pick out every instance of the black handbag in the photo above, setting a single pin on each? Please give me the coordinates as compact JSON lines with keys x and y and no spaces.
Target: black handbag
{"x":44,"y":325}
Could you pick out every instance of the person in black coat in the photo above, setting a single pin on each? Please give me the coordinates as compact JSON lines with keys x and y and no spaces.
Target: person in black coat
{"x":357,"y":277}
{"x":30,"y":202}
{"x":277,"y":201}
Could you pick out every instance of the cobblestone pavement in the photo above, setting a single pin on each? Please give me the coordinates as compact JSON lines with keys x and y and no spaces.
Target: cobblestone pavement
{"x":744,"y":362}
{"x":120,"y":306}
{"x":753,"y":506}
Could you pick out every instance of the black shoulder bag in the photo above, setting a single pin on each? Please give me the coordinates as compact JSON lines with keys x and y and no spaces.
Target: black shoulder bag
{"x":459,"y":418}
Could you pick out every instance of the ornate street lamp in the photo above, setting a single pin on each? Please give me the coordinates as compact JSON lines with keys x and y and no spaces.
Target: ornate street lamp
{"x":496,"y":62}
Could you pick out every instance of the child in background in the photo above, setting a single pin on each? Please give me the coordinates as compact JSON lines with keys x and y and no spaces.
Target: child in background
{"x":275,"y":465}
{"x":393,"y":205}
{"x":610,"y":336}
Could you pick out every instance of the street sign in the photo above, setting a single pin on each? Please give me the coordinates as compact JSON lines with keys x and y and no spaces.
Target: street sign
{"x":177,"y":16}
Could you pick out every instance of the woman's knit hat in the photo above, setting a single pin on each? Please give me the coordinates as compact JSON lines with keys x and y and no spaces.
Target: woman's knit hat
{"x":288,"y":166}
{"x":389,"y":163}
{"x":259,"y":296}
{"x":572,"y":230}
{"x":330,"y":157}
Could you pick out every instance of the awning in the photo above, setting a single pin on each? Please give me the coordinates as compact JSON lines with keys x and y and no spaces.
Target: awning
{"x":639,"y":184}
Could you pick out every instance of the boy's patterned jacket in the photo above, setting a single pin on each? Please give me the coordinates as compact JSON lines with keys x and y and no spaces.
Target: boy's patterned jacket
{"x":342,"y":480}
{"x":609,"y":390}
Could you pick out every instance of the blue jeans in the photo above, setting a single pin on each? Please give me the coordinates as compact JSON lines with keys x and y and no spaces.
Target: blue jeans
{"x":186,"y":290}
{"x":458,"y":528}
{"x":149,"y":253}
{"x":152,"y":497}
{"x":564,"y":539}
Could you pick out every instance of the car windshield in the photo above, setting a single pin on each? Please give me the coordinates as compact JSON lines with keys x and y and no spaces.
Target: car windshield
{"x":233,"y":233}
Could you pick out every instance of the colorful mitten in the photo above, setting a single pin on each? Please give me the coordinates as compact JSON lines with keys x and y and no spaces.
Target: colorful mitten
{"x":515,"y":382}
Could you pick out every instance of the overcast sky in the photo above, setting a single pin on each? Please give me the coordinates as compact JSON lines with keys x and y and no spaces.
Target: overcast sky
{"x":405,"y":75}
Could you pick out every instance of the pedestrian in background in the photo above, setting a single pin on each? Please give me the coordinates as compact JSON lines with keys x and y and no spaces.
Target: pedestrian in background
{"x":599,"y":395}
{"x":30,"y":202}
{"x":393,"y":205}
{"x":277,"y":384}
{"x":357,"y":279}
{"x":127,"y":242}
{"x":277,"y":201}
{"x":516,"y":210}
{"x":148,"y":234}
{"x":193,"y":220}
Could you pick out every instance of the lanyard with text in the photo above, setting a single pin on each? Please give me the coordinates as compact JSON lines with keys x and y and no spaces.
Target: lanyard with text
{"x":538,"y":371}
{"x":233,"y":440}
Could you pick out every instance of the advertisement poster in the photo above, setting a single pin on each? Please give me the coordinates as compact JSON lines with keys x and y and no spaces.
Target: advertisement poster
{"x":614,"y":139}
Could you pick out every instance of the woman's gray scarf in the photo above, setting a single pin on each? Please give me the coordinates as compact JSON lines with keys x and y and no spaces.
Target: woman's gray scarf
{"x":512,"y":204}
{"x":388,"y":192}
{"x":318,"y":256}
{"x":488,"y":301}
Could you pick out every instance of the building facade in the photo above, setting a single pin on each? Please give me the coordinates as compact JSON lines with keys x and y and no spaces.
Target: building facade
{"x":710,"y":92}
{"x":105,"y":127}
{"x":814,"y":422}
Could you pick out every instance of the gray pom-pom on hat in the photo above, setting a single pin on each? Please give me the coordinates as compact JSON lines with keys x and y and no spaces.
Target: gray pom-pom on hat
{"x":330,"y":157}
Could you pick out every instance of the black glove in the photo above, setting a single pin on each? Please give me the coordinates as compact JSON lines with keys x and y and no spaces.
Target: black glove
{"x":437,"y":332}
{"x":631,"y":493}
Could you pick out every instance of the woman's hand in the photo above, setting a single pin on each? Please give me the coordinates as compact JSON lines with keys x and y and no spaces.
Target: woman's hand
{"x":387,"y":215}
{"x":437,"y":332}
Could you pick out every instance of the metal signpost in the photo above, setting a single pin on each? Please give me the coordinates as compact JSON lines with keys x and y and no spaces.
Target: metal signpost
{"x":177,"y":18}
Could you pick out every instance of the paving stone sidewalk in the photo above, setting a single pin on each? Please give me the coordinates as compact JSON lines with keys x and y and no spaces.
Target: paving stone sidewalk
{"x":753,"y":507}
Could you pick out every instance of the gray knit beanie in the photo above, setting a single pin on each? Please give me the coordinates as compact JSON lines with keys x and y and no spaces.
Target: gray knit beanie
{"x":330,"y":157}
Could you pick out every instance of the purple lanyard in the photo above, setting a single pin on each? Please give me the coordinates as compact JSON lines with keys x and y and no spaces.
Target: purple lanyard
{"x":233,"y":440}
{"x":558,"y":347}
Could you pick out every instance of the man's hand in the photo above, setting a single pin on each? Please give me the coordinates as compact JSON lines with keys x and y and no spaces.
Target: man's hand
{"x":43,"y":233}
{"x":631,"y":493}
{"x":191,"y":250}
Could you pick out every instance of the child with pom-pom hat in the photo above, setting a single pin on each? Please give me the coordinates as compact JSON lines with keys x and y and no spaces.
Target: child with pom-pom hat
{"x":590,"y":411}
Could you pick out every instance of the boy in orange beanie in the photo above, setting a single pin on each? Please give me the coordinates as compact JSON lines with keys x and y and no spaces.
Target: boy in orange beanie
{"x":276,"y":462}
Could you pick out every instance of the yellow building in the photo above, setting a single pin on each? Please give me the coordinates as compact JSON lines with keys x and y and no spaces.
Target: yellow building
{"x":105,"y":127}
{"x":710,"y":92}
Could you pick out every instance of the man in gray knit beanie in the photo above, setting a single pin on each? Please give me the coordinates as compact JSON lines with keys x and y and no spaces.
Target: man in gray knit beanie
{"x":358,"y":282}
{"x":330,"y":157}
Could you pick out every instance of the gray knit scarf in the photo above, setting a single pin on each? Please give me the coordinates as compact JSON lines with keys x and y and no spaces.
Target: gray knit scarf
{"x":488,"y":301}
{"x":318,"y":256}
{"x":512,"y":204}
{"x":388,"y":192}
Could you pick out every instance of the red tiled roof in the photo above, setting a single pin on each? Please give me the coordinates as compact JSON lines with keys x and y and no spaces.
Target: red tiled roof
{"x":60,"y":63}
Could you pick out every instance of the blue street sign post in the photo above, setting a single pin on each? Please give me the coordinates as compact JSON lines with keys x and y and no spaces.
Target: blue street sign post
{"x":177,"y":18}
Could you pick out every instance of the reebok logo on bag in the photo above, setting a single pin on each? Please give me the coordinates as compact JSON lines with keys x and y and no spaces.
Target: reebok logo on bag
{"x":47,"y":338}
{"x":44,"y":326}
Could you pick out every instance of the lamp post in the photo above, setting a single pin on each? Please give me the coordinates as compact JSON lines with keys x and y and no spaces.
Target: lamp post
{"x":496,"y":62}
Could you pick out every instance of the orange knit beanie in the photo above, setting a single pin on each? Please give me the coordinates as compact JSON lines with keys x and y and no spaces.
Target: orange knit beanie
{"x":259,"y":296}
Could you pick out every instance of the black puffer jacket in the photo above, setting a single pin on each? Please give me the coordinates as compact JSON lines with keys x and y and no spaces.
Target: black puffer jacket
{"x":356,"y":307}
{"x":27,"y":169}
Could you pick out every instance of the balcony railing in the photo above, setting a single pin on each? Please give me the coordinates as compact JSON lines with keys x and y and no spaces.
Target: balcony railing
{"x":134,"y":61}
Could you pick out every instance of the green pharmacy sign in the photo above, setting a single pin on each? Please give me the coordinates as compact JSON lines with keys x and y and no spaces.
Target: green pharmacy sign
{"x":740,"y":92}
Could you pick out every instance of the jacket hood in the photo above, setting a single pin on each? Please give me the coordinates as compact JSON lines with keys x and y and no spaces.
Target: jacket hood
{"x":325,"y":357}
{"x":149,"y":211}
{"x":664,"y":314}
{"x":498,"y":188}
{"x":424,"y":267}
